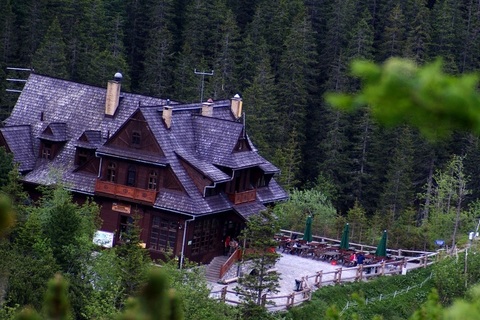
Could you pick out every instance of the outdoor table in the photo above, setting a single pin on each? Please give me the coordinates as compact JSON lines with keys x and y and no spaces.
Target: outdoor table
{"x":330,"y":255}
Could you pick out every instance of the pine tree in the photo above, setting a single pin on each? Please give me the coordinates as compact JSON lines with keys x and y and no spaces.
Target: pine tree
{"x":262,"y":120}
{"x":224,"y":83}
{"x":50,"y":57}
{"x":446,"y":24}
{"x":393,"y":42}
{"x":134,"y":260}
{"x":419,"y":34}
{"x":288,"y":158}
{"x":8,"y":36}
{"x":259,"y":236}
{"x":296,"y":78}
{"x":157,"y":78}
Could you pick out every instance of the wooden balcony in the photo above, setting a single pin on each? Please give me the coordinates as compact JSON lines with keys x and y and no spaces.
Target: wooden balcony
{"x":125,"y":192}
{"x":243,"y":197}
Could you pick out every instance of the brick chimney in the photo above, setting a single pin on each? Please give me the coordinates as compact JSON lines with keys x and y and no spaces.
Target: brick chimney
{"x":113,"y":95}
{"x":207,"y":108}
{"x":167,"y":116}
{"x":236,"y":106}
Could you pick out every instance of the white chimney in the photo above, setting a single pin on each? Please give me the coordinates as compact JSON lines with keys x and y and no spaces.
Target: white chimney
{"x":207,"y":108}
{"x":236,"y":106}
{"x":113,"y":95}
{"x":167,"y":116}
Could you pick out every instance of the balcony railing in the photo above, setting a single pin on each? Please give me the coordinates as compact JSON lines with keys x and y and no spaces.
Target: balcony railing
{"x":125,"y":192}
{"x":243,"y":197}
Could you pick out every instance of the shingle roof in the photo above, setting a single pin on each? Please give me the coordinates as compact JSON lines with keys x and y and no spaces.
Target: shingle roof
{"x":76,"y":112}
{"x":90,"y":139}
{"x":55,"y":131}
{"x":19,"y":140}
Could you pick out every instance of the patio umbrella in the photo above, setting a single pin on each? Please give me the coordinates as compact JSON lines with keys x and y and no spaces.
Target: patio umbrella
{"x":382,"y":246}
{"x":307,"y":234}
{"x":345,"y":237}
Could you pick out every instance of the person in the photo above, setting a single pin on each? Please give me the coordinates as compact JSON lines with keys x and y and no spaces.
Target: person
{"x":360,"y":258}
{"x":233,"y":246}
{"x":227,"y":245}
{"x":353,"y":259}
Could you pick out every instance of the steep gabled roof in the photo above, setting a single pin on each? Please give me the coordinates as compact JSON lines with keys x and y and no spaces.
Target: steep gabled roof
{"x":55,"y":131}
{"x":45,"y":100}
{"x":90,"y":139}
{"x":75,"y":114}
{"x":19,"y":141}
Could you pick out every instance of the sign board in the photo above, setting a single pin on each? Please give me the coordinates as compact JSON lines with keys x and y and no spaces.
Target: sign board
{"x":103,"y":239}
{"x":120,"y":207}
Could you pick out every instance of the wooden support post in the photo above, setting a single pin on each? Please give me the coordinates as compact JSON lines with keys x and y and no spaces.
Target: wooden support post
{"x":318,"y":279}
{"x":264,"y":299}
{"x":290,"y":300}
{"x":425,"y":257}
{"x":359,"y":275}
{"x":224,"y":293}
{"x":338,"y":275}
{"x":382,"y":272}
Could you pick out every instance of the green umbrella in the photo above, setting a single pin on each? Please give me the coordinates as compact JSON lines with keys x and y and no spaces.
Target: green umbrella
{"x":345,"y":238}
{"x":307,"y":234}
{"x":382,"y":246}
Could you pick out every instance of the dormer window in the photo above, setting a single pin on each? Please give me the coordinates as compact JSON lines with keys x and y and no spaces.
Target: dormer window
{"x":152,"y":180}
{"x":111,"y":172}
{"x":82,"y":156}
{"x":136,"y":139}
{"x":47,"y":150}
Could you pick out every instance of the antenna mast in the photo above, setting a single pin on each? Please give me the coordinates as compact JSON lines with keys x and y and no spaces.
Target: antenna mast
{"x":15,"y":79}
{"x":203,"y":74}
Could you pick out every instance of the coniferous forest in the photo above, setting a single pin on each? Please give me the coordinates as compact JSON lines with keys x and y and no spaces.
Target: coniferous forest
{"x":281,"y":56}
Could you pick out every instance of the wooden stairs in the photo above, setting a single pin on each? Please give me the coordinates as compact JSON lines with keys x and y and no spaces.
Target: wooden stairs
{"x":212,"y":272}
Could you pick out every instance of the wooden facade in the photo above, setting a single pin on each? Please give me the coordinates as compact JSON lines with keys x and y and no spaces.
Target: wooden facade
{"x":191,"y":177}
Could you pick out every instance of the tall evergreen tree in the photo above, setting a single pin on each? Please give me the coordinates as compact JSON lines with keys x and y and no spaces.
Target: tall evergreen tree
{"x":296,"y":77}
{"x":393,"y":40}
{"x":419,"y":34}
{"x":8,"y":36}
{"x":262,"y":120}
{"x":398,"y":188}
{"x":50,"y":58}
{"x":446,"y":25}
{"x":224,"y":83}
{"x":157,"y":77}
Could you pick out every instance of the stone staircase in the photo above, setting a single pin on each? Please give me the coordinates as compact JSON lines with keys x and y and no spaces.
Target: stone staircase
{"x":212,"y":271}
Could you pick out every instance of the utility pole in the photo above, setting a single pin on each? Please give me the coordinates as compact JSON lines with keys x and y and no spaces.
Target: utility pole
{"x":203,"y":74}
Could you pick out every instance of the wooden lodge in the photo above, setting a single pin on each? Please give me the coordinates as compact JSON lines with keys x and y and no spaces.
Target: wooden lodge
{"x":189,"y":171}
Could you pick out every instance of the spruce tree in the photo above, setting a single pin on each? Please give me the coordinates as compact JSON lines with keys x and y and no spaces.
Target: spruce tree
{"x":393,"y":39}
{"x":50,"y":58}
{"x":259,"y":236}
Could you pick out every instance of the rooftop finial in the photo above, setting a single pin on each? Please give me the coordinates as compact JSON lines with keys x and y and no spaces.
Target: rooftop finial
{"x":118,"y":76}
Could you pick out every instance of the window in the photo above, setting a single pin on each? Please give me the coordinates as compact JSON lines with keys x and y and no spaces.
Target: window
{"x":111,"y":171}
{"x":82,"y":156}
{"x":132,"y":173}
{"x":152,"y":180}
{"x":205,"y":236}
{"x":47,"y":150}
{"x":163,"y":235}
{"x":136,"y":139}
{"x":126,"y":223}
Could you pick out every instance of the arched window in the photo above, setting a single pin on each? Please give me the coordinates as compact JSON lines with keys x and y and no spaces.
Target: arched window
{"x":132,"y":173}
{"x":152,"y":180}
{"x":111,"y":171}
